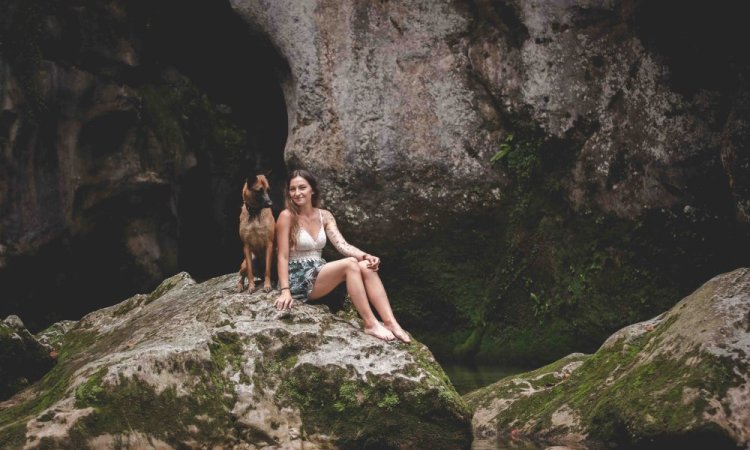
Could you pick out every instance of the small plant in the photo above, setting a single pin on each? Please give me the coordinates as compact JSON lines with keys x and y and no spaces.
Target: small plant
{"x":521,"y":158}
{"x":389,"y":401}
{"x":505,"y":148}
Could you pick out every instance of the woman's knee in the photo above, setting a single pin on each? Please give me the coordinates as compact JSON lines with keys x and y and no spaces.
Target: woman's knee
{"x":364,"y":267}
{"x":351,"y":265}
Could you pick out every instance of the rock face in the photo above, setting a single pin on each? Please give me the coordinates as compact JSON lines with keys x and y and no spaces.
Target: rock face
{"x":381,"y":105}
{"x":400,"y":108}
{"x":682,"y":377}
{"x":23,"y":359}
{"x":198,"y":365}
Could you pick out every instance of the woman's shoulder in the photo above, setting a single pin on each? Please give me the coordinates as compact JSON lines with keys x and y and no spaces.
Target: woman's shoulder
{"x":284,"y":215}
{"x":327,"y":215}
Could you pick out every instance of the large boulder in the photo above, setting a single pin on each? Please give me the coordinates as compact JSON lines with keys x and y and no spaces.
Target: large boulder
{"x":199,"y":365}
{"x":681,"y":378}
{"x":402,"y":107}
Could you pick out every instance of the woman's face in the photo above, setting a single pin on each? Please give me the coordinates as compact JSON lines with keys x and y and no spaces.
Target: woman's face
{"x":300,"y":191}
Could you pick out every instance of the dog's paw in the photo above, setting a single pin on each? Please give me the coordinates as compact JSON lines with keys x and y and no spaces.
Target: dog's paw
{"x":266,"y":289}
{"x":250,"y":288}
{"x":240,"y":288}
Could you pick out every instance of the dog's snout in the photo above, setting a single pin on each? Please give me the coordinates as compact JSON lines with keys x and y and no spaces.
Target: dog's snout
{"x":267,"y":203}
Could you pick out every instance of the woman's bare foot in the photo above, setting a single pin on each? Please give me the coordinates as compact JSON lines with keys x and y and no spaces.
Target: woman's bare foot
{"x":380,"y":332}
{"x":398,"y":332}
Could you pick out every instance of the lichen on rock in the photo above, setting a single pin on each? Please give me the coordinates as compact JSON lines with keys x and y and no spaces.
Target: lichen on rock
{"x":201,"y":365}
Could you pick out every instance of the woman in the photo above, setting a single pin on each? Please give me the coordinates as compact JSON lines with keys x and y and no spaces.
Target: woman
{"x":301,"y":231}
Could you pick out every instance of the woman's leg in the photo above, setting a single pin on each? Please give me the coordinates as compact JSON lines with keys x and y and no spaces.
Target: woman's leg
{"x":334,"y":273}
{"x":379,"y":299}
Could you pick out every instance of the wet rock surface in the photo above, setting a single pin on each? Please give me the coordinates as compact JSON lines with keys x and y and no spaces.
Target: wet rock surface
{"x":681,"y":379}
{"x":195,"y":365}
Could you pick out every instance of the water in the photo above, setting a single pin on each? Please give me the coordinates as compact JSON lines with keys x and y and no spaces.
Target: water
{"x":468,"y":377}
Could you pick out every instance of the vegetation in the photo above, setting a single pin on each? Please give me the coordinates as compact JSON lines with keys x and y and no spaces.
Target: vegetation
{"x":533,"y":279}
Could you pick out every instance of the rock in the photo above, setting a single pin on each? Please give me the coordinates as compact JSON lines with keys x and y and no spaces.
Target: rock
{"x":398,"y":108}
{"x":14,"y":322}
{"x":383,"y":108}
{"x":199,"y":365}
{"x":53,"y":335}
{"x":686,"y":381}
{"x":23,"y":359}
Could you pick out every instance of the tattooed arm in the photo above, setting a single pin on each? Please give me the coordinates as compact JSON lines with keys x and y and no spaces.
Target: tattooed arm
{"x":338,"y":241}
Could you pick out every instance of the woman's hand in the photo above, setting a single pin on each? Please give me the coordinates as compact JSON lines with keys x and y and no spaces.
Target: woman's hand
{"x":373,"y":262}
{"x":284,"y":300}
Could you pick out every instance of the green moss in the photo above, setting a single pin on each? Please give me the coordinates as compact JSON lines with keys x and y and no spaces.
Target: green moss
{"x":226,"y":322}
{"x":51,"y":388}
{"x":389,"y":401}
{"x":53,"y":385}
{"x":226,"y":350}
{"x":13,"y":436}
{"x":91,"y":392}
{"x":361,"y":413}
{"x":645,"y":398}
{"x":164,"y":287}
{"x":133,"y":405}
{"x":6,"y":331}
{"x":505,"y":388}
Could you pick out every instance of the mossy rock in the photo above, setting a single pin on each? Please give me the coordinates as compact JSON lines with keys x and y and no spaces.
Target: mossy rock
{"x":201,"y":365}
{"x":23,"y":359}
{"x":676,"y":379}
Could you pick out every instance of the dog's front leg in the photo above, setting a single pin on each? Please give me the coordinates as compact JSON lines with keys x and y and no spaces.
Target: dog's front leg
{"x":249,"y":262}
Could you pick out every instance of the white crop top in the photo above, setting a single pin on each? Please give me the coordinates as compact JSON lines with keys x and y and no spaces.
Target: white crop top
{"x":307,"y":246}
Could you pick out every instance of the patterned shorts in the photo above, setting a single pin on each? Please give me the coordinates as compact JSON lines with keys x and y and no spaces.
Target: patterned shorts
{"x":302,"y":275}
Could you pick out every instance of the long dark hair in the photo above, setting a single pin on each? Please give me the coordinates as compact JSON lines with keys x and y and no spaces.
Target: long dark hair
{"x":313,"y":182}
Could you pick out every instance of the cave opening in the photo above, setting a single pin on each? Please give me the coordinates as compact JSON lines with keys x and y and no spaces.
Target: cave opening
{"x":704,"y":46}
{"x":241,"y":72}
{"x":137,"y":236}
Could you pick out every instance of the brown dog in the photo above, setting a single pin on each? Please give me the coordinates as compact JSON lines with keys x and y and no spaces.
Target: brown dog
{"x":257,"y":227}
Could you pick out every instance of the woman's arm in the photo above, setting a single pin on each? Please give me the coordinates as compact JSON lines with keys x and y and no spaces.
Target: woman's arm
{"x":338,"y":241}
{"x":283,"y":226}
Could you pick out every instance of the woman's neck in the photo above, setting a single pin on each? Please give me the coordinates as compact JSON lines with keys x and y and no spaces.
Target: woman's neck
{"x":307,"y":211}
